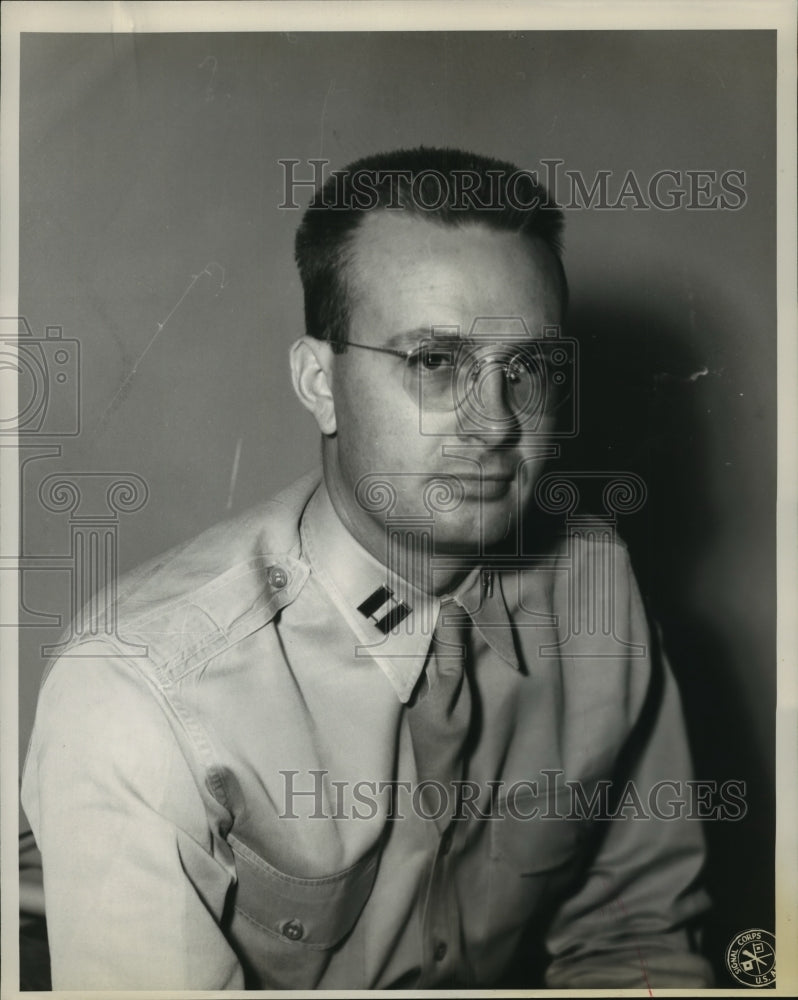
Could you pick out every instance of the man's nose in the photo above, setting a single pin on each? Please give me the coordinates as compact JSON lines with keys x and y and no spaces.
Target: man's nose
{"x":488,"y":408}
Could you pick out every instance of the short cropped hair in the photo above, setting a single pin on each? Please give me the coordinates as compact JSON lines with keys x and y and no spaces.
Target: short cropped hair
{"x":445,"y":186}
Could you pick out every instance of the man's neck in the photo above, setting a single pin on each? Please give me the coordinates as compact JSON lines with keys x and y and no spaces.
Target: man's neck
{"x":408,"y":556}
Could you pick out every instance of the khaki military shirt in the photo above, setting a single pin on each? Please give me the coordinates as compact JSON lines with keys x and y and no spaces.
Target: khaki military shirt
{"x":224,"y":789}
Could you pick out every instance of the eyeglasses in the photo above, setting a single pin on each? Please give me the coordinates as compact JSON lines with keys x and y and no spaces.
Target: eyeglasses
{"x":443,"y":374}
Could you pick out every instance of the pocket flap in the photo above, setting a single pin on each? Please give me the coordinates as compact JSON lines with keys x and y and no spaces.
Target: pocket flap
{"x":314,"y":912}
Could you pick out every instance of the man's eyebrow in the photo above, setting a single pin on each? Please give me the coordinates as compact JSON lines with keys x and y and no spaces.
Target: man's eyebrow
{"x":413,"y":337}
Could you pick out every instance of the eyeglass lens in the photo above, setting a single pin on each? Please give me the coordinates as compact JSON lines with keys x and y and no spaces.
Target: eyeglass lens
{"x":449,"y":375}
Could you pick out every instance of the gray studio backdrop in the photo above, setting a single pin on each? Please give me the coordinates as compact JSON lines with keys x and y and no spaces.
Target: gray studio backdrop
{"x":151,"y":234}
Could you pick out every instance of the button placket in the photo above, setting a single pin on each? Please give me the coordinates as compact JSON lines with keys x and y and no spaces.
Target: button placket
{"x":446,"y":841}
{"x":441,"y":926}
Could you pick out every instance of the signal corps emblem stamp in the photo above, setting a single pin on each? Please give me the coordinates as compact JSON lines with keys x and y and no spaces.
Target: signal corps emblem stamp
{"x":751,"y":958}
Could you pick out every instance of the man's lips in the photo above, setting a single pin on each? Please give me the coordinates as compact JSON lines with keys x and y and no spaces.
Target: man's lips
{"x":488,"y":485}
{"x":490,"y":475}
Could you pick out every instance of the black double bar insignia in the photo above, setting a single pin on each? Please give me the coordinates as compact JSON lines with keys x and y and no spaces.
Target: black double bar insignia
{"x":380,"y":597}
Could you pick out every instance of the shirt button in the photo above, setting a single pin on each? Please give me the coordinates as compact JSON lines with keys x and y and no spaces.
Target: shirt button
{"x":293,"y":930}
{"x":278,"y":577}
{"x":440,"y":951}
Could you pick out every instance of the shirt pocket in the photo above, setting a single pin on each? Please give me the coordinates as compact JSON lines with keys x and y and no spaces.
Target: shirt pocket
{"x":286,"y":927}
{"x":531,"y":861}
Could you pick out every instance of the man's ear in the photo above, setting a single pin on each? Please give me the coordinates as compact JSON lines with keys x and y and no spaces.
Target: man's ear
{"x":310,"y":372}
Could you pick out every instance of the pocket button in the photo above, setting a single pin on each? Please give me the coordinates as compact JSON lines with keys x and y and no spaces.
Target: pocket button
{"x":293,"y":930}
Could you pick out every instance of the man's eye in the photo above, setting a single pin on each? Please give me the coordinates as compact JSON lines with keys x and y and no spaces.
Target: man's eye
{"x":428,"y":360}
{"x":436,"y":359}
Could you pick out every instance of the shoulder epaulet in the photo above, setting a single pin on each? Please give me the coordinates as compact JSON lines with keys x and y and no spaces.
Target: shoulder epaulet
{"x":178,"y":610}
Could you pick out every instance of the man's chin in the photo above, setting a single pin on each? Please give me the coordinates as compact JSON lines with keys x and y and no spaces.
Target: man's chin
{"x":477,"y":536}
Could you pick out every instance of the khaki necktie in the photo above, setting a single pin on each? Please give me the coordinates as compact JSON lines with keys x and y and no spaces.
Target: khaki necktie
{"x":440,"y":713}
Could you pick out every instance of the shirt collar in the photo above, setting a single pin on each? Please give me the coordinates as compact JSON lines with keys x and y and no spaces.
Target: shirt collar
{"x":392,"y":620}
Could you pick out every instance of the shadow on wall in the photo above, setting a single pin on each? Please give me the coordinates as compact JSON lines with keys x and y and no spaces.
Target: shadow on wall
{"x":641,"y":413}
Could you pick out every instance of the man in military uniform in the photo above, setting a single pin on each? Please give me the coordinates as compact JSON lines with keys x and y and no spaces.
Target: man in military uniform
{"x":354,"y":737}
